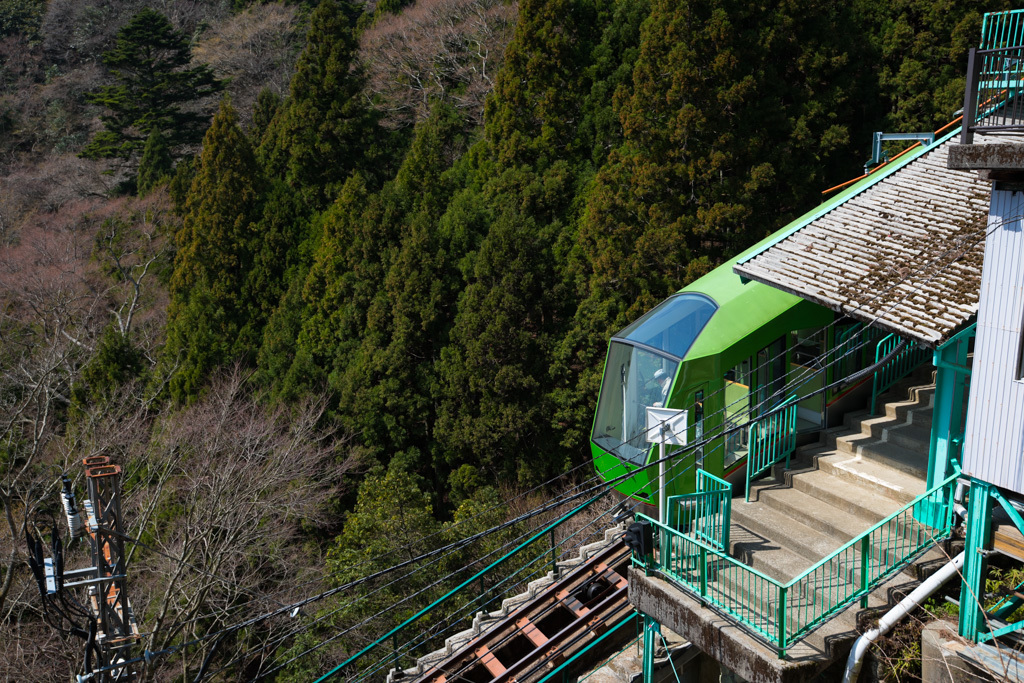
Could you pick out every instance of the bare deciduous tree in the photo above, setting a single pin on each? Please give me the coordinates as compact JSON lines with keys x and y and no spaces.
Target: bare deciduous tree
{"x":255,"y":49}
{"x":243,"y":481}
{"x":436,"y":49}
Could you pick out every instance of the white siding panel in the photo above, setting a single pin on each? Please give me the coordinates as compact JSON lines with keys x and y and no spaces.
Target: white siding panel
{"x":994,"y":442}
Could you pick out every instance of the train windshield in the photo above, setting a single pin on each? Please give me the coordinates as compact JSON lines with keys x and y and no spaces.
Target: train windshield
{"x":634,"y":378}
{"x":672,"y":326}
{"x":641,"y":367}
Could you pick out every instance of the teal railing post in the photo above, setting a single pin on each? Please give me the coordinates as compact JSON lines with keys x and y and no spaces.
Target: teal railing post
{"x":651,"y":628}
{"x":767,"y":446}
{"x":702,"y":561}
{"x":781,"y":619}
{"x":726,"y":518}
{"x":753,"y":454}
{"x":876,"y":383}
{"x":865,"y":567}
{"x":952,"y":377}
{"x":979,"y":530}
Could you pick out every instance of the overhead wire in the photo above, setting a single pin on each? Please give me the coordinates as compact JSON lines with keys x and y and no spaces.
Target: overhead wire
{"x":720,"y":434}
{"x":406,"y":598}
{"x":802,"y":381}
{"x":651,"y":464}
{"x":454,"y":545}
{"x":799,"y":381}
{"x":675,"y":454}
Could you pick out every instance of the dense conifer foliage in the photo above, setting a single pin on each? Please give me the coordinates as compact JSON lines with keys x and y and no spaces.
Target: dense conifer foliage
{"x":397,"y":275}
{"x":155,"y":82}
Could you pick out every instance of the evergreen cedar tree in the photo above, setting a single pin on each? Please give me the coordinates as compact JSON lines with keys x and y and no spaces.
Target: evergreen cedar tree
{"x":458,"y":309}
{"x":150,"y":64}
{"x":208,"y":317}
{"x":156,"y":165}
{"x":325,"y":130}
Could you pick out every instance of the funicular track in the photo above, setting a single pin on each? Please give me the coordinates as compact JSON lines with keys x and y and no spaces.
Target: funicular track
{"x":562,"y":622}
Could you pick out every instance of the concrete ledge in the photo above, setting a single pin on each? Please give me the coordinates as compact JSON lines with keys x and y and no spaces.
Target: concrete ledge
{"x":948,"y":658}
{"x":986,"y":157}
{"x":720,"y":638}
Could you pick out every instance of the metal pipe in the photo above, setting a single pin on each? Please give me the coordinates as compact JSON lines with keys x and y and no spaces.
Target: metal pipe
{"x":897,"y":613}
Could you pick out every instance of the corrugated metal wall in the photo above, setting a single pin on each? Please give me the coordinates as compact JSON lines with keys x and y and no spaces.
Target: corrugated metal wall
{"x":994,"y":442}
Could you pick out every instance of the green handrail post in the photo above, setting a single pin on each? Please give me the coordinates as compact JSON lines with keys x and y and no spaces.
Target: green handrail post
{"x":764,"y":452}
{"x":703,"y":560}
{"x":650,"y":628}
{"x":727,"y":520}
{"x":865,"y":566}
{"x":781,"y":619}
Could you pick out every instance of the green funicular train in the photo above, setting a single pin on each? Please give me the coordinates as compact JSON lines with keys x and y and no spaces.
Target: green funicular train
{"x":726,"y":351}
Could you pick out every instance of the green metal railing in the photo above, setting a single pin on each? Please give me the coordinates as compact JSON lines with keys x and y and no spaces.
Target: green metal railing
{"x":783,"y":613}
{"x":1002,"y":29}
{"x":705,"y":515}
{"x":771,"y":439}
{"x":896,"y":369}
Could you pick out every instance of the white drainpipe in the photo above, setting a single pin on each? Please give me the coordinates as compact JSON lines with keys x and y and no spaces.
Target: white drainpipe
{"x":897,"y":613}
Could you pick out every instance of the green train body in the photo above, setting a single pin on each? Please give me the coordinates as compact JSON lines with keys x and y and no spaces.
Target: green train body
{"x":728,"y":346}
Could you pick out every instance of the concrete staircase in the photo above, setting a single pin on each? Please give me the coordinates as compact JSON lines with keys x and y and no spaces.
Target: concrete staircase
{"x":857,"y":475}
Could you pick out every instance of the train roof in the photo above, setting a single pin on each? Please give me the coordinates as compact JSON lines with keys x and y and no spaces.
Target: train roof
{"x":743,"y":308}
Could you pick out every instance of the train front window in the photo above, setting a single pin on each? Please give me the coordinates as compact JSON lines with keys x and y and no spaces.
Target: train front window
{"x":634,"y":378}
{"x":673,"y":325}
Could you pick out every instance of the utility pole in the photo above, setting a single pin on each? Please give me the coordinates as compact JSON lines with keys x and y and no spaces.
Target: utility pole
{"x":105,"y":621}
{"x":116,"y":629}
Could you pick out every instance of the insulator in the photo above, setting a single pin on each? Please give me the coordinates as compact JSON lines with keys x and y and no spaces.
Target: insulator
{"x":67,"y":496}
{"x":90,"y":514}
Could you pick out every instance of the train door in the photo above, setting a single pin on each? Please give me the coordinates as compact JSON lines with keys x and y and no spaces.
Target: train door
{"x":769,"y":377}
{"x":738,"y":383}
{"x":807,"y":377}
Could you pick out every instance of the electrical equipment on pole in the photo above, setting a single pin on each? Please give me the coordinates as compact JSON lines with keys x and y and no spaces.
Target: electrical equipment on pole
{"x":105,"y":621}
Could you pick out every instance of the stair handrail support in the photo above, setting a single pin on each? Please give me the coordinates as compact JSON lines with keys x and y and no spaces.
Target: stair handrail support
{"x":905,"y":362}
{"x":771,"y":439}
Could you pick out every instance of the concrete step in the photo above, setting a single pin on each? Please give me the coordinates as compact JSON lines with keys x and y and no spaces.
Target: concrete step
{"x":847,"y":495}
{"x":868,"y":473}
{"x":914,"y":463}
{"x":913,"y":431}
{"x":838,"y":525}
{"x":758,"y":532}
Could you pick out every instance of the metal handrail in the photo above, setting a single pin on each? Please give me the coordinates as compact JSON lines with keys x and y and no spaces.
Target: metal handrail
{"x":993,"y":98}
{"x":705,"y":514}
{"x":783,"y":613}
{"x":896,"y":368}
{"x":772,"y":438}
{"x":468,"y":583}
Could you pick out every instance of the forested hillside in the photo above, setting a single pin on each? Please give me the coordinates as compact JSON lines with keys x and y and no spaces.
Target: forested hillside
{"x":331,"y":281}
